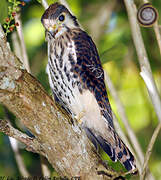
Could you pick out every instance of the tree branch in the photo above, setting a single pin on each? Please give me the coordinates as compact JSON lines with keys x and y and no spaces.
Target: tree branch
{"x":44,"y":4}
{"x":31,"y":144}
{"x":18,"y":157}
{"x":22,"y":42}
{"x":149,"y":150}
{"x":15,"y":148}
{"x":158,"y":35}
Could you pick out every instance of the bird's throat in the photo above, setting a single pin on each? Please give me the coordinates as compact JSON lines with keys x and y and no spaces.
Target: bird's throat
{"x":58,"y":32}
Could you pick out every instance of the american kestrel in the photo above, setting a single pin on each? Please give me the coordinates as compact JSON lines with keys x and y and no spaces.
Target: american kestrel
{"x":76,"y":78}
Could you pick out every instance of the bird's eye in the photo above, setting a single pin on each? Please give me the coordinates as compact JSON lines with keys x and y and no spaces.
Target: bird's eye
{"x":61,"y":18}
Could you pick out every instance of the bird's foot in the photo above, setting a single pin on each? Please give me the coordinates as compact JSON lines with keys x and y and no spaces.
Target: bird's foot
{"x":80,"y":116}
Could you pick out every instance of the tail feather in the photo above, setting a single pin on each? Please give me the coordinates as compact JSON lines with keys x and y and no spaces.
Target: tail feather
{"x":114,"y":147}
{"x":107,"y":148}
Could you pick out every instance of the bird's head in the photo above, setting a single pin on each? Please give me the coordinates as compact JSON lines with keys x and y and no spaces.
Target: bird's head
{"x":57,"y":19}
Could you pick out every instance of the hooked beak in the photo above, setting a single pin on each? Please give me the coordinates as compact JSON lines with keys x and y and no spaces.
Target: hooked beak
{"x":52,"y":30}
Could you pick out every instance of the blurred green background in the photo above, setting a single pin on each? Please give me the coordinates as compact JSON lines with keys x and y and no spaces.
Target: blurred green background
{"x":107,"y":23}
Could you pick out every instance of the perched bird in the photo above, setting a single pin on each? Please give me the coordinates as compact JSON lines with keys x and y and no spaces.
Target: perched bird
{"x":76,"y":78}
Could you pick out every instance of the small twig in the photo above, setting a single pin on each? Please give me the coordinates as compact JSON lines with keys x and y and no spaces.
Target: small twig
{"x":149,"y":150}
{"x":16,"y":45}
{"x":44,"y":4}
{"x":31,"y":144}
{"x":22,"y":43}
{"x":158,"y":35}
{"x":44,"y":167}
{"x":150,"y":84}
{"x":18,"y":157}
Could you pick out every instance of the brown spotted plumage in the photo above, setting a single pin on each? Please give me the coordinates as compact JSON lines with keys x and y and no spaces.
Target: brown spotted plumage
{"x":76,"y":78}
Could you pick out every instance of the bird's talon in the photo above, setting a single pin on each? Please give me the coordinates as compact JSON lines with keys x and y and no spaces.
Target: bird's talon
{"x":79,"y":121}
{"x":80,"y":116}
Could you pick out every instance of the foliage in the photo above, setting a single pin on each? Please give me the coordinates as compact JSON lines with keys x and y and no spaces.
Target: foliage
{"x":13,"y":8}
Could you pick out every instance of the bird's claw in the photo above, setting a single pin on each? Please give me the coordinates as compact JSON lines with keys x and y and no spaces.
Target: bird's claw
{"x":80,"y":116}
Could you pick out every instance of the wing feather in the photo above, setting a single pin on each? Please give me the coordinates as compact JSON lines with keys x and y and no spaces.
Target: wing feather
{"x":91,"y":72}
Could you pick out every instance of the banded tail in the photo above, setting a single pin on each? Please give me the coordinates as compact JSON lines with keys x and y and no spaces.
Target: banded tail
{"x":114,"y":147}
